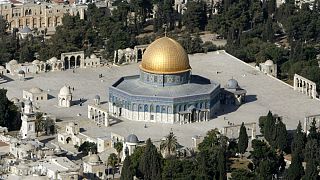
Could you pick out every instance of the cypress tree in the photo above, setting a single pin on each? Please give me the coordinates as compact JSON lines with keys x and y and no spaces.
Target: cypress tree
{"x":312,"y":150}
{"x":243,"y":139}
{"x":281,"y":135}
{"x":299,"y":140}
{"x":295,"y":171}
{"x":264,"y":170}
{"x":269,"y":128}
{"x":127,"y":169}
{"x":221,"y":157}
{"x":311,"y":171}
{"x":313,"y":134}
{"x":150,"y":162}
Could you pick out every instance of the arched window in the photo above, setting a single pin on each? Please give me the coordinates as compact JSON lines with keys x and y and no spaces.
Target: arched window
{"x":164,"y":109}
{"x":169,"y":109}
{"x":145,"y":108}
{"x":158,"y":109}
{"x":140,"y":107}
{"x":151,"y":108}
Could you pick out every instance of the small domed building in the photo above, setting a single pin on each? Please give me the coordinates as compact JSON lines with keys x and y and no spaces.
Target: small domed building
{"x":233,"y":93}
{"x":93,"y":167}
{"x":65,"y":97}
{"x":269,"y":67}
{"x":165,"y":91}
{"x":129,"y":145}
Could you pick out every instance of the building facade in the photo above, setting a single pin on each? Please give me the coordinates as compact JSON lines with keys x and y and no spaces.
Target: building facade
{"x":40,"y":16}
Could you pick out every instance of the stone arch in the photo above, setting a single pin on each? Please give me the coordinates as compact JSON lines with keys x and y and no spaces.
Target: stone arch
{"x":66,"y":63}
{"x":164,"y":109}
{"x":72,"y":62}
{"x":140,"y":54}
{"x":68,"y":140}
{"x":78,"y":61}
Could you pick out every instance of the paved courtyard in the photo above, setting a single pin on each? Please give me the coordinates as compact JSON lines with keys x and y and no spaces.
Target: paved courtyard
{"x":264,"y":93}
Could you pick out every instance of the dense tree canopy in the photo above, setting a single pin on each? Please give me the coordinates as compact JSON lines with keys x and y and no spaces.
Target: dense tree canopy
{"x":9,"y":114}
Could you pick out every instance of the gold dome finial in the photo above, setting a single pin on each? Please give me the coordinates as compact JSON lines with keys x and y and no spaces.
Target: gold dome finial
{"x":165,"y":56}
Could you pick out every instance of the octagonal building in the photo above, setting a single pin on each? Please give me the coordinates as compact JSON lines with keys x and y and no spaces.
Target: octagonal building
{"x":165,"y":91}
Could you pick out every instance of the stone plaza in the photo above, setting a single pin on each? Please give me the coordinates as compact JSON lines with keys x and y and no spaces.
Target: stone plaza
{"x":264,"y":93}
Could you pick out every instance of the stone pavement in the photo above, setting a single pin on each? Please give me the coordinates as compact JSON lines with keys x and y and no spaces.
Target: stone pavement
{"x":264,"y":93}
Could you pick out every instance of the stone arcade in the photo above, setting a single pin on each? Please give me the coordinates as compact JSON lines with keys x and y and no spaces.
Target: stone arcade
{"x":304,"y":86}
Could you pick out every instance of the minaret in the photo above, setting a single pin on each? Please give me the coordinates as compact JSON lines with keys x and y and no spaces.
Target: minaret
{"x":28,"y":119}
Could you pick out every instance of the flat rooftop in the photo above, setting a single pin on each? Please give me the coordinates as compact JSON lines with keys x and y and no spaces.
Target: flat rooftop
{"x":264,"y":93}
{"x":197,"y":86}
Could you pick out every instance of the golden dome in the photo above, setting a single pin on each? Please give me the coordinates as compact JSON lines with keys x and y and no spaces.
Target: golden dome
{"x":165,"y":56}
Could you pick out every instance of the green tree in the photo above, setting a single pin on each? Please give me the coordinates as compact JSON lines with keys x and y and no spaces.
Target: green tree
{"x":195,"y":16}
{"x":313,"y":133}
{"x":264,"y":170}
{"x":112,"y":161}
{"x":222,"y":164}
{"x":312,"y":172}
{"x":312,"y":150}
{"x":9,"y":115}
{"x":242,"y":174}
{"x":211,"y":140}
{"x":169,"y":145}
{"x":87,"y":147}
{"x":299,"y":140}
{"x":295,"y":171}
{"x":281,"y":135}
{"x":269,"y":128}
{"x":127,"y":172}
{"x":150,"y":162}
{"x":39,"y":123}
{"x":49,"y":126}
{"x":243,"y":139}
{"x":118,"y":146}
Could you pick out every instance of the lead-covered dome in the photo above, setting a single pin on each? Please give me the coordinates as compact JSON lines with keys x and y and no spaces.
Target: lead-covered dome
{"x":232,"y":84}
{"x":165,"y":56}
{"x":132,"y":138}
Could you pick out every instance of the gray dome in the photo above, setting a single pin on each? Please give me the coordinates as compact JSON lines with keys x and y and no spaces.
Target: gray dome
{"x":132,"y":138}
{"x":25,"y":30}
{"x":97,"y":97}
{"x":232,"y":84}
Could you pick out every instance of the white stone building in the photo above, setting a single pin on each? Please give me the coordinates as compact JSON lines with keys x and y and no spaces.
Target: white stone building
{"x":93,"y":167}
{"x":35,"y":94}
{"x":65,"y":97}
{"x":268,"y":67}
{"x":28,"y":118}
